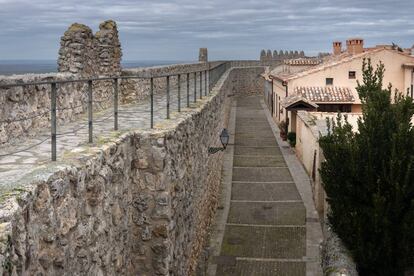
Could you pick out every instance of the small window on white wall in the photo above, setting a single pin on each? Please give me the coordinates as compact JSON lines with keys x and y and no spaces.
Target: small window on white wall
{"x":329,"y":81}
{"x":352,"y":75}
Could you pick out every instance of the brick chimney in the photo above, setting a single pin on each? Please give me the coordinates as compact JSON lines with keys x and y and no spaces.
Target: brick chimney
{"x":337,"y":48}
{"x":355,"y":46}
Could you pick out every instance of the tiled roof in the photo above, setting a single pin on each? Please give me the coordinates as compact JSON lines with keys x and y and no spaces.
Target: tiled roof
{"x":303,"y":61}
{"x":327,"y":94}
{"x":294,"y":99}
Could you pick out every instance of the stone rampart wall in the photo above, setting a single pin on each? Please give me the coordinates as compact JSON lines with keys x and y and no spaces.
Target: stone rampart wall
{"x":26,"y":110}
{"x":248,"y":81}
{"x":140,"y":204}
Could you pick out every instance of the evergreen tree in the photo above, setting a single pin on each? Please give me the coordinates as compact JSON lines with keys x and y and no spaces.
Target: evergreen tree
{"x":368,"y":177}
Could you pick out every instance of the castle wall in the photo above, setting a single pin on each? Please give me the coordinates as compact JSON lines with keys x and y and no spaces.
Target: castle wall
{"x":140,"y":204}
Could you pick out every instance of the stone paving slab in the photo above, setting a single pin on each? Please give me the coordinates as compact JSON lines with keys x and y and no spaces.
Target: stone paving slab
{"x":260,"y":174}
{"x":256,"y":142}
{"x":252,"y":136}
{"x":259,"y":161}
{"x":257,"y":151}
{"x":268,"y":268}
{"x":264,"y":191}
{"x":264,"y":242}
{"x":267,"y":213}
{"x":248,"y":123}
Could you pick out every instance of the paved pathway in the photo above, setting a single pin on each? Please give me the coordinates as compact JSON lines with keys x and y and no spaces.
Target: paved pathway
{"x":265,"y":233}
{"x":16,"y":167}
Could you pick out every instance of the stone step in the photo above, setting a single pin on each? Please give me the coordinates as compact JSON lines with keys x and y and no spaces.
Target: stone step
{"x":257,"y":151}
{"x":267,"y":213}
{"x":264,"y":191}
{"x":253,"y":136}
{"x":250,"y":267}
{"x":253,"y":142}
{"x":252,"y":174}
{"x":257,"y":123}
{"x":264,"y":242}
{"x":257,"y":132}
{"x":258,"y":161}
{"x":253,"y":128}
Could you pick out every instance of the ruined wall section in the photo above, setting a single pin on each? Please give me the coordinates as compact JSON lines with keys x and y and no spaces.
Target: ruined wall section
{"x":77,"y":51}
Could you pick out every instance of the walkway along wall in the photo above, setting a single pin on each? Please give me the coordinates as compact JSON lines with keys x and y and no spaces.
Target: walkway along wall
{"x":138,"y":204}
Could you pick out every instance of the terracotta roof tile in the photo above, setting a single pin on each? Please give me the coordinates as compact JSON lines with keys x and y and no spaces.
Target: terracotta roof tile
{"x":327,"y":94}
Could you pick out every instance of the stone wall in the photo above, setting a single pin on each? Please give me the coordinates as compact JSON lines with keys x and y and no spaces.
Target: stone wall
{"x":281,"y":55}
{"x":140,"y":204}
{"x":133,"y":90}
{"x":248,"y":80}
{"x":26,"y":110}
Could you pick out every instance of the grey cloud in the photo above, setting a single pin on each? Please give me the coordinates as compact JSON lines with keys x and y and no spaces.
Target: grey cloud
{"x":175,"y":29}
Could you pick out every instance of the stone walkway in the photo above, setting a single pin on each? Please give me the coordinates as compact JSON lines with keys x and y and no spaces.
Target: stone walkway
{"x":265,"y":232}
{"x":16,"y":168}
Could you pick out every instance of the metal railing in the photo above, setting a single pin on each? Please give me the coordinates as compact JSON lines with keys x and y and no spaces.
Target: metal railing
{"x":210,"y":75}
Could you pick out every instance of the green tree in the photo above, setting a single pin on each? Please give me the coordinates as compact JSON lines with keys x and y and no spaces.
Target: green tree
{"x":368,"y":177}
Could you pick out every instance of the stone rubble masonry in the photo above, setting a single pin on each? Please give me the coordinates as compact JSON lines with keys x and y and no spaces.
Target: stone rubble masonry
{"x":90,"y":55}
{"x":77,"y":51}
{"x":139,"y":204}
{"x":33,"y":102}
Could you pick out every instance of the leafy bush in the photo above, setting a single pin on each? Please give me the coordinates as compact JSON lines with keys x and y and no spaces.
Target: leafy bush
{"x":282,"y":126}
{"x":368,"y":177}
{"x":291,"y":136}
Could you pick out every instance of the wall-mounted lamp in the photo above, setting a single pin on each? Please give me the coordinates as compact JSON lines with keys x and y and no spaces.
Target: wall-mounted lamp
{"x":224,"y":139}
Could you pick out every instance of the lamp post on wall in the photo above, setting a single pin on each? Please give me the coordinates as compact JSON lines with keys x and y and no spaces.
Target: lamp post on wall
{"x":224,"y":139}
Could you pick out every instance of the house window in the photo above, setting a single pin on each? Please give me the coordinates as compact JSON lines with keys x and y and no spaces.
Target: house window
{"x":352,"y":75}
{"x":329,"y":81}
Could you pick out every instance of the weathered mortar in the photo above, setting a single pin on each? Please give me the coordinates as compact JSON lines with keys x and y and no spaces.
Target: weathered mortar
{"x":139,"y":205}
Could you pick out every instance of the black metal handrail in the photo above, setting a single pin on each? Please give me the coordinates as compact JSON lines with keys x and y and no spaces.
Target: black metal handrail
{"x":211,"y":76}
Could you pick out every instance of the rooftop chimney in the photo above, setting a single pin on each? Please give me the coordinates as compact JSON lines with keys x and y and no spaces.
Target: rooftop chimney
{"x":355,"y":46}
{"x":337,"y":48}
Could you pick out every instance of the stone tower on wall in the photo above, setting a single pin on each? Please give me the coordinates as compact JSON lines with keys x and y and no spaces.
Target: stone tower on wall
{"x":89,"y":55}
{"x":263,"y":55}
{"x":76,"y":54}
{"x":203,"y":55}
{"x":108,"y":49}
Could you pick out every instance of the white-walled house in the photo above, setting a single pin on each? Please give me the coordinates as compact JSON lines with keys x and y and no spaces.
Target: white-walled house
{"x":331,"y":85}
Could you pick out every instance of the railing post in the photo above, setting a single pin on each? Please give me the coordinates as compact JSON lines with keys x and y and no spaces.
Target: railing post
{"x":201,"y":84}
{"x":53,"y":120}
{"x":168,"y":97}
{"x":195,"y":86}
{"x":90,"y":111}
{"x":116,"y":86}
{"x":205,"y":82}
{"x":179,"y":92}
{"x":152,"y":102}
{"x":188,"y":89}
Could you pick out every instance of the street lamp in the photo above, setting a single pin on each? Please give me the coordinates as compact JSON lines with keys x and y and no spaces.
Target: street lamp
{"x":224,"y":139}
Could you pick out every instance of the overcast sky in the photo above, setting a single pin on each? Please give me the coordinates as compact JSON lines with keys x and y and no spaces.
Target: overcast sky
{"x":231,"y":29}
